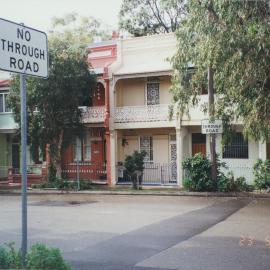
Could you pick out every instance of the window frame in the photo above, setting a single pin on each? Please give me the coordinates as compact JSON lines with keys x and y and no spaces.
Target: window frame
{"x":151,"y":154}
{"x":146,"y":92}
{"x":4,"y":95}
{"x":237,"y":148}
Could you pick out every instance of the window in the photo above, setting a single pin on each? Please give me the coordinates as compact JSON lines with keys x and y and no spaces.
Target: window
{"x":237,"y":147}
{"x":82,"y":148}
{"x":77,"y":150}
{"x":152,"y":93}
{"x":87,"y":148}
{"x":3,"y":103}
{"x":146,"y":144}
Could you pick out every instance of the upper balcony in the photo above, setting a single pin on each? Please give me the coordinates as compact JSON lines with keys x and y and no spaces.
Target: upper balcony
{"x":93,"y":115}
{"x":142,"y":103}
{"x":146,"y":113}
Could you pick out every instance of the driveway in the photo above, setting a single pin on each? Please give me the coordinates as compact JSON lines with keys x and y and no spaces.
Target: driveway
{"x":145,"y":232}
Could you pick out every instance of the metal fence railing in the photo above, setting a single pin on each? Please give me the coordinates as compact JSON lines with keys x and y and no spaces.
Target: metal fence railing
{"x":85,"y":170}
{"x":153,"y":174}
{"x":31,"y":169}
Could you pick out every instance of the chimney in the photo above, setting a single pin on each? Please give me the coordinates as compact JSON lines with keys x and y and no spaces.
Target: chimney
{"x":115,"y":35}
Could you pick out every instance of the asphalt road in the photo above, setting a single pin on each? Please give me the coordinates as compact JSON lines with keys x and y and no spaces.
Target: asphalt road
{"x":146,"y":232}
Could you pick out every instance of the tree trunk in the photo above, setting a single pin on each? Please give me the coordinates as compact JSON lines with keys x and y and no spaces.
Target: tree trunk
{"x":211,"y":110}
{"x":58,"y":157}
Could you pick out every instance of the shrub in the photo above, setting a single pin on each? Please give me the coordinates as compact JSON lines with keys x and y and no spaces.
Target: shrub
{"x":63,"y":184}
{"x":39,"y":257}
{"x":9,"y":257}
{"x":261,"y":171}
{"x":84,"y":184}
{"x":198,"y":176}
{"x":44,"y":258}
{"x":134,"y":165}
{"x":198,"y":173}
{"x":231,"y":184}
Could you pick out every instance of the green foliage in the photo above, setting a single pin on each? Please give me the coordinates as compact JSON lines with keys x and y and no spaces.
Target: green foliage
{"x":9,"y":257}
{"x":52,"y":173}
{"x":233,"y":38}
{"x":198,"y":176}
{"x":134,"y":164}
{"x":77,"y":29}
{"x":198,"y":173}
{"x":63,"y":184}
{"x":44,"y":258}
{"x":54,"y":117}
{"x":231,"y":184}
{"x":39,"y":257}
{"x":142,"y":17}
{"x":261,"y":171}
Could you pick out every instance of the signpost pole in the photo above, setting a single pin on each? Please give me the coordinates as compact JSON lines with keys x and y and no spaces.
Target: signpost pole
{"x":24,"y":165}
{"x":211,"y":114}
{"x":23,"y":61}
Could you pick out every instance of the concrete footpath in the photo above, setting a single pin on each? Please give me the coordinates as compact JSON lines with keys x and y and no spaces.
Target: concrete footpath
{"x":147,"y":191}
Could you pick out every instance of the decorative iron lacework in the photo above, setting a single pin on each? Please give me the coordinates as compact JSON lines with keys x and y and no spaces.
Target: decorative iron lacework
{"x":150,"y":113}
{"x":173,"y":162}
{"x":93,"y":114}
{"x":152,"y":93}
{"x":146,"y":144}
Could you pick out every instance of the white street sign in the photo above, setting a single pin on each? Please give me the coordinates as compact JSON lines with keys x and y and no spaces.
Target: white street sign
{"x":212,"y":127}
{"x":23,"y":49}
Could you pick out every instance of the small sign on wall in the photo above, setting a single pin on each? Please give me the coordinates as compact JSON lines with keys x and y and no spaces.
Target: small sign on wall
{"x":212,"y":127}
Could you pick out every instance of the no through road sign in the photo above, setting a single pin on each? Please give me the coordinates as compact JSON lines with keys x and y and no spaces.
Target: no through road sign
{"x":23,"y":49}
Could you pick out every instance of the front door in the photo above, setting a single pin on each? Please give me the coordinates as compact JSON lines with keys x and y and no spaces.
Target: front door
{"x":198,"y":144}
{"x":16,"y":156}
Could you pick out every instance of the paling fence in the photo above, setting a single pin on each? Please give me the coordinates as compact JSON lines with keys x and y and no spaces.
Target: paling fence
{"x":153,"y":174}
{"x":85,"y":170}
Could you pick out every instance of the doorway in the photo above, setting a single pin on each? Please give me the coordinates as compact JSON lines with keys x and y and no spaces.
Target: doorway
{"x":198,"y":144}
{"x":16,"y":156}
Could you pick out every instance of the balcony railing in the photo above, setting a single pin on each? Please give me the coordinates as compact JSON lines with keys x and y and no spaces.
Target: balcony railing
{"x":147,"y":113}
{"x":93,"y":114}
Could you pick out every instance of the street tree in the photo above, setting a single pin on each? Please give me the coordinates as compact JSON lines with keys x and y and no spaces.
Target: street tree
{"x":231,"y":39}
{"x":54,"y":117}
{"x":142,"y":17}
{"x":77,"y":29}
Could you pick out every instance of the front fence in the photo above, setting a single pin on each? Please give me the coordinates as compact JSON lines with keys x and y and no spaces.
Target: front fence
{"x":153,"y":174}
{"x":238,"y":171}
{"x":242,"y":170}
{"x":85,"y":170}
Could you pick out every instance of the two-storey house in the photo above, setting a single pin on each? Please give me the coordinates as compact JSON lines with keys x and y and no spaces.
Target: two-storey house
{"x":139,"y":105}
{"x":9,"y":147}
{"x":89,"y":156}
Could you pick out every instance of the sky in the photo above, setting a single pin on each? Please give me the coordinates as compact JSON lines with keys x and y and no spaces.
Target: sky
{"x":38,"y":13}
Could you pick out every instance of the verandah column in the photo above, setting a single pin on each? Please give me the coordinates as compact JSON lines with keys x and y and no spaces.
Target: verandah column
{"x":262,"y":150}
{"x":107,"y":131}
{"x":179,"y":157}
{"x":113,"y":151}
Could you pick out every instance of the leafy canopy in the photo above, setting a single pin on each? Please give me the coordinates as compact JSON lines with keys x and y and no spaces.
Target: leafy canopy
{"x":53,"y":114}
{"x":77,"y":29}
{"x":142,"y":17}
{"x":232,"y":37}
